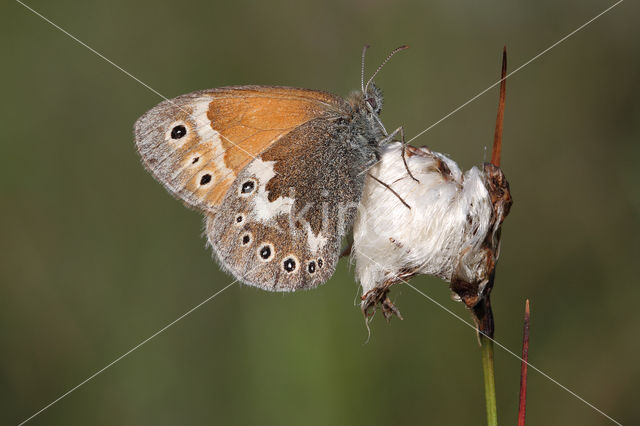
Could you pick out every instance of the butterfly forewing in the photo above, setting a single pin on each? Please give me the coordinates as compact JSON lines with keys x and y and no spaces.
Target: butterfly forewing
{"x":196,"y":144}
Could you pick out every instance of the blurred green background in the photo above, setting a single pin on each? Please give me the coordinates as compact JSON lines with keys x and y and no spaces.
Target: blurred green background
{"x":95,"y":256}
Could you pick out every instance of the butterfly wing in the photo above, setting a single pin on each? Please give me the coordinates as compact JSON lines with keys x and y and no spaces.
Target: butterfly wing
{"x":196,"y":144}
{"x":285,"y":214}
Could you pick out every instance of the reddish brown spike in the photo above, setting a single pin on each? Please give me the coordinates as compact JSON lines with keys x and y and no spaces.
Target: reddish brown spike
{"x":523,"y":369}
{"x":497,"y":138}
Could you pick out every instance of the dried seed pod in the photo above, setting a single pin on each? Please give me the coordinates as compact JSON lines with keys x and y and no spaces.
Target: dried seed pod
{"x":451,"y":230}
{"x":420,"y":214}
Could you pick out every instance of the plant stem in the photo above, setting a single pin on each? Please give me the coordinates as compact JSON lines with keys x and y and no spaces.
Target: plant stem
{"x":486,"y":349}
{"x":522,"y":411}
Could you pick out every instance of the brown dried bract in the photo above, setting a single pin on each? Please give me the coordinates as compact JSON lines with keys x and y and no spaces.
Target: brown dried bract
{"x":379,"y":296}
{"x":476,"y":295}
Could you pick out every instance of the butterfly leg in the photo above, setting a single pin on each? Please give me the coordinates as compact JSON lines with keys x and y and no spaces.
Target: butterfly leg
{"x":390,"y":189}
{"x":404,"y":156}
{"x":404,"y":148}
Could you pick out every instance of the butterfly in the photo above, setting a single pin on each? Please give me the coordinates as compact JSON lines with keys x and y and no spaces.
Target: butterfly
{"x":278,"y":172}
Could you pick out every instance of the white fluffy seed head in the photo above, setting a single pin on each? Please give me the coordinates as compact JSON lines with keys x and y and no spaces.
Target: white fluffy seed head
{"x":443,"y":232}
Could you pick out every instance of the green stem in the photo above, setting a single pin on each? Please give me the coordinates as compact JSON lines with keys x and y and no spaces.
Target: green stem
{"x":489,"y":381}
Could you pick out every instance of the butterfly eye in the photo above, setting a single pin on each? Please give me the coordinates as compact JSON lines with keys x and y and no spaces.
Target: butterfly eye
{"x":265,"y":252}
{"x":178,"y":132}
{"x":239,"y":218}
{"x":312,"y":267}
{"x":248,"y":187}
{"x":205,"y":179}
{"x":246,"y":239}
{"x":290,"y":264}
{"x":320,"y":262}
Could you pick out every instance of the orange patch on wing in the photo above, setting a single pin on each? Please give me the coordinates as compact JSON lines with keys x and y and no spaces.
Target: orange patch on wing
{"x":215,"y":196}
{"x":251,"y":119}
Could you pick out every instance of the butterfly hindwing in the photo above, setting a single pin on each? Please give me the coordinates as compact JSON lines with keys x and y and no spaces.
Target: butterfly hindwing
{"x":283,"y":218}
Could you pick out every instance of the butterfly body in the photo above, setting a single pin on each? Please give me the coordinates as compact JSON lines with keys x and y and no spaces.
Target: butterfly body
{"x":278,"y":173}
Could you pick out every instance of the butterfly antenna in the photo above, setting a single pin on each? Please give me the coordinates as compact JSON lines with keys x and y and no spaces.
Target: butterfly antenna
{"x":497,"y":137}
{"x":393,"y":52}
{"x":364,"y":51}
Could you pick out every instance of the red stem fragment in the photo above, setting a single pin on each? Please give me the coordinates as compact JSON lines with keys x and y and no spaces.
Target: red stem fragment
{"x":497,"y":137}
{"x":523,"y":368}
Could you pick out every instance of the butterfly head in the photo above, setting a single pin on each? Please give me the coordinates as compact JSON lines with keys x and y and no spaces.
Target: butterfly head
{"x":367,"y":103}
{"x":373,"y":99}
